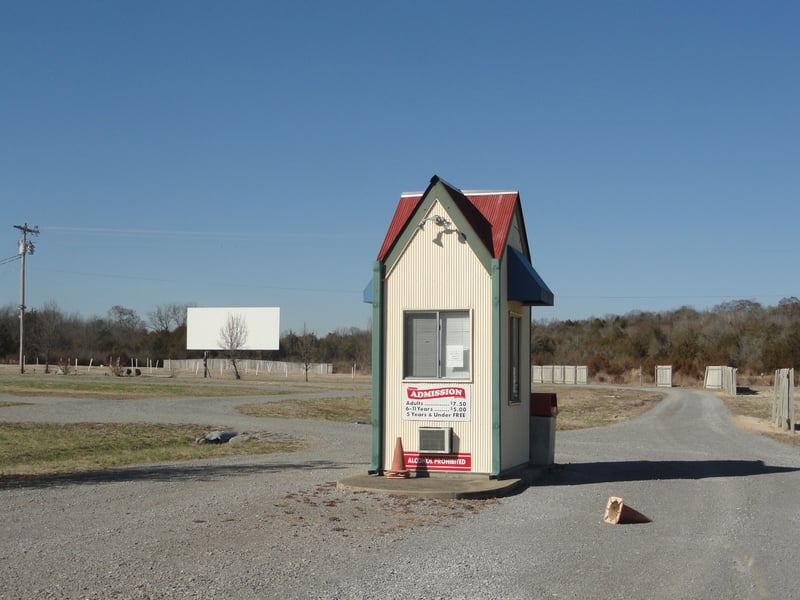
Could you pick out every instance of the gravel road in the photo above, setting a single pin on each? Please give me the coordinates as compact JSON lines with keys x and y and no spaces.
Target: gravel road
{"x":723,"y":504}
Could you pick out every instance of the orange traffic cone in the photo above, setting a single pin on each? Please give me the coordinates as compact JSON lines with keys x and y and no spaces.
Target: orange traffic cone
{"x":398,"y":470}
{"x":617,"y":512}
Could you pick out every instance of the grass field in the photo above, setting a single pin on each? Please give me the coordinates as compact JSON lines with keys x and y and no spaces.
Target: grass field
{"x":34,"y":449}
{"x":98,"y":382}
{"x":28,"y":449}
{"x":580,"y":407}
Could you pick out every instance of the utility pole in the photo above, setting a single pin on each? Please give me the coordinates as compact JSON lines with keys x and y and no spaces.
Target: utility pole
{"x":25,"y":248}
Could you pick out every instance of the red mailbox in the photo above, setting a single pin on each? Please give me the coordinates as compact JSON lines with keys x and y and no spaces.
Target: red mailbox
{"x":544,"y":405}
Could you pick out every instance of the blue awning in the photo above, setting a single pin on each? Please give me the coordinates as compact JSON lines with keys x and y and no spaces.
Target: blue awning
{"x":367,"y":294}
{"x":524,"y":283}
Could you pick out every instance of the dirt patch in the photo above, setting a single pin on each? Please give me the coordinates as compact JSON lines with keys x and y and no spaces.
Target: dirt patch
{"x":755,"y":425}
{"x":753,"y":412}
{"x":326,"y":510}
{"x":762,"y":427}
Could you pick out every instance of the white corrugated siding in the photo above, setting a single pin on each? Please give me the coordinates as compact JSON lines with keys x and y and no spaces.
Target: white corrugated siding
{"x":514,"y":418}
{"x":439,"y":272}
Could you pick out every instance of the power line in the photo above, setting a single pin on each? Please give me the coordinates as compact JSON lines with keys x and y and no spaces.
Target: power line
{"x":675,"y":297}
{"x":258,"y":286}
{"x":284,"y":234}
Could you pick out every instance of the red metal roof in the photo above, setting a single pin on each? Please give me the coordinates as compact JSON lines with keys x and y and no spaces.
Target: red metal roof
{"x":405,"y":208}
{"x":498,"y":209}
{"x":489,"y":213}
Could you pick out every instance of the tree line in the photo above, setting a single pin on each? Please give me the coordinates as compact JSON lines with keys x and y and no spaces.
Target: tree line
{"x":744,"y":334}
{"x":741,"y":333}
{"x":52,"y":336}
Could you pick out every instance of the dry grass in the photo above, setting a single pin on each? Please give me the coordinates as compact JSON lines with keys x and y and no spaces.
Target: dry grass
{"x":124,"y":388}
{"x":351,"y":409}
{"x":580,"y":407}
{"x":35,"y":449}
{"x":752,"y":410}
{"x":757,"y":405}
{"x":31,"y":449}
{"x":99,"y":383}
{"x":27,"y":448}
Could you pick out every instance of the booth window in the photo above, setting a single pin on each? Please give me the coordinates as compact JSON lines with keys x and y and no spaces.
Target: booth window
{"x":514,"y":355}
{"x":437,"y":344}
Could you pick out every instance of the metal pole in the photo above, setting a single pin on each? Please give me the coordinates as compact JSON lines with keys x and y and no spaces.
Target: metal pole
{"x":23,"y":250}
{"x":25,"y":247}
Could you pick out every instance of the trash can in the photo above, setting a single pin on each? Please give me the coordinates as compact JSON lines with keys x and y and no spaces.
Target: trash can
{"x":544,"y":408}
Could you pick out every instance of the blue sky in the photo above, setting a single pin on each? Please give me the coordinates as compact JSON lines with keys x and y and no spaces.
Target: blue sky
{"x":252,"y":153}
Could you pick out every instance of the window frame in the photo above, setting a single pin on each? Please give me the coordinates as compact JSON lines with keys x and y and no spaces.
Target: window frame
{"x":441,"y":318}
{"x":514,"y":358}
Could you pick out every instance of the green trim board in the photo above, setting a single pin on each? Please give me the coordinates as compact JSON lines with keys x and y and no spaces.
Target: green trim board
{"x":496,"y":381}
{"x":377,"y":367}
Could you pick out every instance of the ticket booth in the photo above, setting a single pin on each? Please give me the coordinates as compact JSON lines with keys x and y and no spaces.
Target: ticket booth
{"x":451,"y":293}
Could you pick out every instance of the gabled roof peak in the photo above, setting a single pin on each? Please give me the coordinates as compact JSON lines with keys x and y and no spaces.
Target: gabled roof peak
{"x":488,"y":212}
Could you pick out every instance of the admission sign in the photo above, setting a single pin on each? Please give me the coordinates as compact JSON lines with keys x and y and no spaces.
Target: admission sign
{"x":436,"y":402}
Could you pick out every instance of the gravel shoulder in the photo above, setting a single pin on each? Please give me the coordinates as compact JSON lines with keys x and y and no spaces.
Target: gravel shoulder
{"x":276,"y":525}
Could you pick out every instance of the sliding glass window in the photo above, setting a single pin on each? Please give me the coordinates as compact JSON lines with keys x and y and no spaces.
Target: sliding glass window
{"x":437,"y":344}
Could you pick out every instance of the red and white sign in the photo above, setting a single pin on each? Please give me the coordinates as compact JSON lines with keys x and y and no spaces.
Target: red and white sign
{"x":436,"y":402}
{"x":416,"y":461}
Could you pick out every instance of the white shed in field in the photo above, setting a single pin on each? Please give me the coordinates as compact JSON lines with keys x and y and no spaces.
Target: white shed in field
{"x":452,"y":291}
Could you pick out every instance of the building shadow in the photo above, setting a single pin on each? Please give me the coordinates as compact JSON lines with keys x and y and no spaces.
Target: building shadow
{"x":173,"y":473}
{"x":646,"y":470}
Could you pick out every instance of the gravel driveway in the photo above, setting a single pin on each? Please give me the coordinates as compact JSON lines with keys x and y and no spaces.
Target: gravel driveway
{"x":723,"y":504}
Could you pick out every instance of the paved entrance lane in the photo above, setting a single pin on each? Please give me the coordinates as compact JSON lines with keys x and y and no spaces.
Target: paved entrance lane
{"x":723,"y":504}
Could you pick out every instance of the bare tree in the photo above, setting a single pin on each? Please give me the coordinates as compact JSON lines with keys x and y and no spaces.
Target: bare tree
{"x":47,"y":331}
{"x":126,"y":318}
{"x":128,"y":331}
{"x":305,"y":349}
{"x":167,"y":317}
{"x":232,"y":338}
